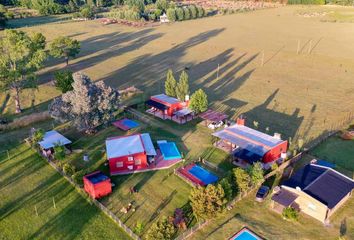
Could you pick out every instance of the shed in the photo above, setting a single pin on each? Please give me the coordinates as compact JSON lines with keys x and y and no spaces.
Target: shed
{"x":97,"y":184}
{"x":53,"y":138}
{"x":213,"y":116}
{"x":164,"y":18}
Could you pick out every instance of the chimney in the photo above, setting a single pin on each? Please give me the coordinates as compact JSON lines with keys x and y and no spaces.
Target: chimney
{"x":240,"y":120}
{"x":277,"y":136}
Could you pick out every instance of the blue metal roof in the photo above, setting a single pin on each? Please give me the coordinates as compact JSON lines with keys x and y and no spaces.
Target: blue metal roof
{"x":166,"y":99}
{"x":322,"y":183}
{"x":248,"y":138}
{"x":52,"y":138}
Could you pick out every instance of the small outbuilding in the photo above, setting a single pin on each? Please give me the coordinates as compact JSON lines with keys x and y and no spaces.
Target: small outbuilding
{"x":50,"y":140}
{"x":316,"y":190}
{"x":129,"y":153}
{"x":97,"y":184}
{"x":165,"y":105}
{"x":164,"y":18}
{"x":210,"y":116}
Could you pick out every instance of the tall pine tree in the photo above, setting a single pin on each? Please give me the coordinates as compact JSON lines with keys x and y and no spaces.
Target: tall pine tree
{"x":182,"y":86}
{"x":170,"y":84}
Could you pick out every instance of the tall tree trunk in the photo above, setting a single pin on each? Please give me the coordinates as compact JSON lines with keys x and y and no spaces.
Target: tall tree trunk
{"x":17,"y":100}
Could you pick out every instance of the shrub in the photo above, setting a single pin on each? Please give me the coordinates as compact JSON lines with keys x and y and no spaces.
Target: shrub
{"x":307,"y":2}
{"x":179,"y":14}
{"x":87,"y":12}
{"x":139,"y":228}
{"x":158,"y":13}
{"x":37,"y":136}
{"x":136,"y":4}
{"x":193,"y":11}
{"x":171,"y":14}
{"x":226,"y":185}
{"x":290,"y":214}
{"x":162,"y":229}
{"x":187,"y":13}
{"x":152,"y":16}
{"x":68,"y":169}
{"x":162,"y":4}
{"x":256,"y":173}
{"x":200,"y":12}
{"x":59,"y":152}
{"x":132,"y":15}
{"x":242,"y":179}
{"x":63,"y":80}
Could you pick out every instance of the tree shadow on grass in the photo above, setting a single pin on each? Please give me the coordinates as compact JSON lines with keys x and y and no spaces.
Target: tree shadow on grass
{"x":162,"y":205}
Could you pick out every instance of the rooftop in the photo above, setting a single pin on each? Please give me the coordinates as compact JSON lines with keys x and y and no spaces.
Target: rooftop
{"x":248,"y":138}
{"x":53,"y":138}
{"x":214,"y":116}
{"x":166,"y":99}
{"x":322,"y":183}
{"x":128,"y":145}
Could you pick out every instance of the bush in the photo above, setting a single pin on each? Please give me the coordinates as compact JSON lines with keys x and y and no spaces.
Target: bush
{"x":226,"y":185}
{"x":158,"y":13}
{"x":290,"y":214}
{"x":152,"y":16}
{"x":63,"y":80}
{"x":139,"y":228}
{"x":187,"y":13}
{"x":138,"y":5}
{"x":87,"y":12}
{"x":132,"y":15}
{"x":307,"y":2}
{"x":171,"y":14}
{"x":59,"y":152}
{"x":200,"y":12}
{"x":162,"y":4}
{"x":37,"y":136}
{"x":68,"y":169}
{"x":193,"y":11}
{"x":180,"y":14}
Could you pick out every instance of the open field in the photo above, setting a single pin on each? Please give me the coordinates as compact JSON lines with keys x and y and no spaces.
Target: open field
{"x":294,"y":94}
{"x":26,"y":182}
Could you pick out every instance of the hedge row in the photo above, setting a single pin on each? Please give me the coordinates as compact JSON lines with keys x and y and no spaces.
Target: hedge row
{"x":307,"y":2}
{"x":185,"y":13}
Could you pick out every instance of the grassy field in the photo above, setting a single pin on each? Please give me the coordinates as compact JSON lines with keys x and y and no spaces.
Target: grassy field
{"x":28,"y":182}
{"x":294,"y":94}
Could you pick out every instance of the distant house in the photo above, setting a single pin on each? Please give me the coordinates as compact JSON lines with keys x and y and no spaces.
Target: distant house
{"x":164,"y":105}
{"x":315,"y":190}
{"x":249,"y":145}
{"x":164,"y":18}
{"x":129,"y":153}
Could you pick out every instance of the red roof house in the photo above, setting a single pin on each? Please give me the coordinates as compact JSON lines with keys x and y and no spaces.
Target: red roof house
{"x":166,"y":104}
{"x":251,"y":145}
{"x":97,"y":184}
{"x":129,"y":153}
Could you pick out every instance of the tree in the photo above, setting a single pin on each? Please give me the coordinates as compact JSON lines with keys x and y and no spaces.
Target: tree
{"x":225,"y":183}
{"x":187,"y":13}
{"x":3,"y":18}
{"x":207,"y":202}
{"x":65,"y":47}
{"x":182,"y":89}
{"x":88,"y":105}
{"x":162,"y":4}
{"x":21,"y":56}
{"x":193,"y":11}
{"x":63,"y":80}
{"x":59,"y":152}
{"x":170,"y":84}
{"x":242,"y":179}
{"x":171,"y":14}
{"x":37,"y":136}
{"x":161,"y":230}
{"x":199,"y":101}
{"x":87,"y":12}
{"x":256,"y":173}
{"x":68,"y":169}
{"x":200,"y":12}
{"x":179,"y":14}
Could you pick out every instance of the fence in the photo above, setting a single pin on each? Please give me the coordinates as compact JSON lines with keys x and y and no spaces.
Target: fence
{"x":186,"y":234}
{"x":97,"y":203}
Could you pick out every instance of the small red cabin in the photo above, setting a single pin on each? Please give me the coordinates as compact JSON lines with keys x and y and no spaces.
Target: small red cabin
{"x":97,"y":184}
{"x":166,"y":104}
{"x":129,"y":153}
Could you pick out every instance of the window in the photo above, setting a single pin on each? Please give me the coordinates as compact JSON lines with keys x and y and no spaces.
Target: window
{"x":130,"y":159}
{"x":137,"y":161}
{"x":119,"y":164}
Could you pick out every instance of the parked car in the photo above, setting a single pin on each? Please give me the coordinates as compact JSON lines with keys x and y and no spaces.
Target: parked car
{"x":215,"y":125}
{"x":262,"y":193}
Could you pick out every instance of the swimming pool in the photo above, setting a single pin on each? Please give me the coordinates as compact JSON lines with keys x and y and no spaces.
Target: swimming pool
{"x":245,"y":234}
{"x":203,"y":175}
{"x":169,"y":150}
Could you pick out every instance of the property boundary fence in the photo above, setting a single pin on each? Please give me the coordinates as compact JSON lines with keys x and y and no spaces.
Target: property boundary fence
{"x":97,"y":203}
{"x":186,"y":234}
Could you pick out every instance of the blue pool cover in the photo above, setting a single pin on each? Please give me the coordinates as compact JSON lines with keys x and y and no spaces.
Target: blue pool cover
{"x":130,"y":123}
{"x":245,"y":234}
{"x":203,"y":175}
{"x":169,"y":150}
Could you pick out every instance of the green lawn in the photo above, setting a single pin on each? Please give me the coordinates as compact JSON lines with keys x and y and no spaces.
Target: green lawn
{"x":337,"y":151}
{"x":28,"y":182}
{"x":270,"y":225}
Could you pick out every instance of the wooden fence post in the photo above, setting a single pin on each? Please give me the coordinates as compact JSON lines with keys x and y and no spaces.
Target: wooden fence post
{"x":298,"y":47}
